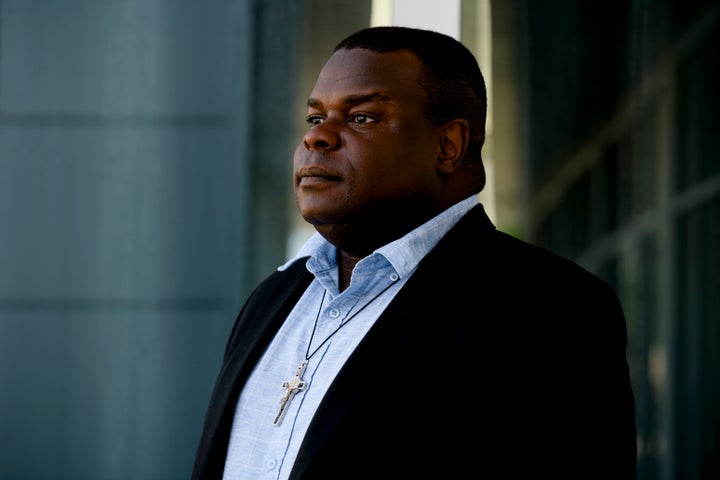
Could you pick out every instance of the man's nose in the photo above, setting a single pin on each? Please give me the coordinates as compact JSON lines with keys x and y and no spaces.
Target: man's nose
{"x":323,"y":136}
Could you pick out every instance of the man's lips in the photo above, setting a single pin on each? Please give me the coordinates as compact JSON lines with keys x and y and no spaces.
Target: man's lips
{"x":308,"y":176}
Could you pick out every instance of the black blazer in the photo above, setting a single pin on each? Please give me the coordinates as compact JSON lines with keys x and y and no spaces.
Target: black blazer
{"x":496,"y":356}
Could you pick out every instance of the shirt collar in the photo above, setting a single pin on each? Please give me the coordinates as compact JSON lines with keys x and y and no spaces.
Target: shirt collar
{"x":404,"y":253}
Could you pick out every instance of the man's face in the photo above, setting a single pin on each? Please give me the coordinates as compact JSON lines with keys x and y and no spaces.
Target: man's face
{"x":369,"y":154}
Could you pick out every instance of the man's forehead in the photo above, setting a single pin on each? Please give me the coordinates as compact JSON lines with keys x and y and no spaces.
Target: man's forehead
{"x":362,"y":73}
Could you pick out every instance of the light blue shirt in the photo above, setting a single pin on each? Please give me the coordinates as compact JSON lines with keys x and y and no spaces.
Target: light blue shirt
{"x":260,"y":450}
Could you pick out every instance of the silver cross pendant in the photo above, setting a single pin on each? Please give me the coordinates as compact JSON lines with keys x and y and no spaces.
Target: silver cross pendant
{"x":291,"y":387}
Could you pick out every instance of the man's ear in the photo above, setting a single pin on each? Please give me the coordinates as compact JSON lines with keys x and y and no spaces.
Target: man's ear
{"x":452,"y":144}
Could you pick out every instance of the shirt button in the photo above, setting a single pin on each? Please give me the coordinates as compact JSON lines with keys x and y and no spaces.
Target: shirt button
{"x":270,"y":464}
{"x":394,"y":277}
{"x":334,"y":313}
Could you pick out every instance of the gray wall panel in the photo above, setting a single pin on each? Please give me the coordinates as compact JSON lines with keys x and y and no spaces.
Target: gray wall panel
{"x":117,"y":57}
{"x":76,"y":201}
{"x":102,"y":393}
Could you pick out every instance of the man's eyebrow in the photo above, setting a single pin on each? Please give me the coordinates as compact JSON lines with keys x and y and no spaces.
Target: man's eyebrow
{"x":352,"y":100}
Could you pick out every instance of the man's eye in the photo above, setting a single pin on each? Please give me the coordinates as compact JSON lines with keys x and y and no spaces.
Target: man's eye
{"x":314,"y":119}
{"x":361,"y":118}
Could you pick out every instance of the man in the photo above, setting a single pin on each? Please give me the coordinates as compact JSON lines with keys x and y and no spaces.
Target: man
{"x":409,"y":337}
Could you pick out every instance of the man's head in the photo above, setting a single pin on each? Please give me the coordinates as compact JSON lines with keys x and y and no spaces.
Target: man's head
{"x":396,"y":127}
{"x":450,"y":76}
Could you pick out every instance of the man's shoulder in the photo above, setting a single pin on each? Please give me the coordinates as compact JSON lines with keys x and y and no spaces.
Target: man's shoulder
{"x":483,"y":248}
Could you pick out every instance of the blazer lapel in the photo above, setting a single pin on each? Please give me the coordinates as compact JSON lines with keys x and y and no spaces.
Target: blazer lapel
{"x":261,"y":317}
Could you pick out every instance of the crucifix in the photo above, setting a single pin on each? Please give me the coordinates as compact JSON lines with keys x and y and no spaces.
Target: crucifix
{"x":291,"y":387}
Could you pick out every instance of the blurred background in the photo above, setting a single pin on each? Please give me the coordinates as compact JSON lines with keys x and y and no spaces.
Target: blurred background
{"x":145,"y":188}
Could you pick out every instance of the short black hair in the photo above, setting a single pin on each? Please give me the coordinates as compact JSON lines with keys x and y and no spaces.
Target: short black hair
{"x":451,"y":78}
